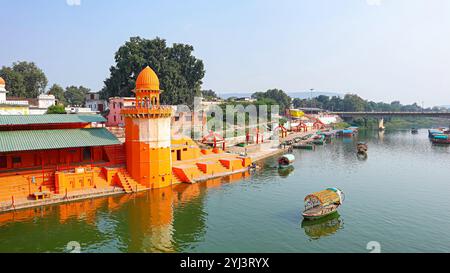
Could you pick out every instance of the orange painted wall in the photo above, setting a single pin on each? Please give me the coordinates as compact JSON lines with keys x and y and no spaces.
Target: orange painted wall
{"x":210,"y":168}
{"x":150,"y":167}
{"x":89,"y":179}
{"x":187,"y":173}
{"x":21,"y":185}
{"x":30,"y":159}
{"x":232,"y":164}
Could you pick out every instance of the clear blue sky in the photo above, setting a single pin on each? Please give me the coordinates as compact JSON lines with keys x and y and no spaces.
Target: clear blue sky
{"x":398,"y":49}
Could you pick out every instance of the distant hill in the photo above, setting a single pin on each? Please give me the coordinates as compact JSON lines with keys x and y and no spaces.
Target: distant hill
{"x":446,"y":106}
{"x":299,"y":95}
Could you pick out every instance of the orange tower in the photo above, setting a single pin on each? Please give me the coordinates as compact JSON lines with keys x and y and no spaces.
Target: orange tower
{"x":147,"y":134}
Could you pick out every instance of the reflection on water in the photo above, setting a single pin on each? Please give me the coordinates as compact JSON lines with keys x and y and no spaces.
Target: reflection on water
{"x":362,"y":156}
{"x":285,"y":172}
{"x":329,"y":225}
{"x":261,"y":212}
{"x":161,"y":220}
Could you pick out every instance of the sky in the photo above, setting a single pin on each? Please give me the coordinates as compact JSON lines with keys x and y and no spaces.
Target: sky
{"x":382,"y":50}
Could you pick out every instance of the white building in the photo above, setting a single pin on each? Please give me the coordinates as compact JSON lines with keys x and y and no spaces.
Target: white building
{"x":40,"y":105}
{"x":94,"y":102}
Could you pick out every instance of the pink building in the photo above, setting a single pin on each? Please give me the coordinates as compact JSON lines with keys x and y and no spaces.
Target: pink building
{"x":115,"y":105}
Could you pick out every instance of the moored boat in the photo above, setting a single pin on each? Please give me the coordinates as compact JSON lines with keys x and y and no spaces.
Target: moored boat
{"x":440,"y":139}
{"x":286,"y":160}
{"x":348,"y":132}
{"x":304,"y":146}
{"x":439,"y":131}
{"x":323,"y":203}
{"x":362,"y":147}
{"x":414,"y":130}
{"x":318,"y":140}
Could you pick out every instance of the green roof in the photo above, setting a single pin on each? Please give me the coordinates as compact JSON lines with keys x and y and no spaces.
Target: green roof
{"x":11,"y":141}
{"x":48,"y":119}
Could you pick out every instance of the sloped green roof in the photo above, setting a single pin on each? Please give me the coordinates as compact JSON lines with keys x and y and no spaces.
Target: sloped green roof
{"x":48,"y":119}
{"x":11,"y":141}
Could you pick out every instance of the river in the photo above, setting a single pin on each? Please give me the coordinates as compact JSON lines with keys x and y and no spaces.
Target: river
{"x":396,"y":200}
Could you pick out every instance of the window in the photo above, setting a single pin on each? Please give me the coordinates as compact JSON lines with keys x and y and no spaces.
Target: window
{"x":177,"y":118}
{"x":16,"y":160}
{"x":115,"y":119}
{"x":86,"y":153}
{"x":3,"y":162}
{"x":92,"y":96}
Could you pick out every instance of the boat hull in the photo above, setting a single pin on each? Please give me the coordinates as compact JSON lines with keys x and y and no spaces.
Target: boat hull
{"x":317,"y":214}
{"x":316,"y":217}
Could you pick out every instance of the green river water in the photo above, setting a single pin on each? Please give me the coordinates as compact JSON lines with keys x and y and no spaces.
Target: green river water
{"x":397,"y":199}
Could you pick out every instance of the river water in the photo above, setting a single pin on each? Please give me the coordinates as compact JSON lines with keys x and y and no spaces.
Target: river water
{"x":396,"y":200}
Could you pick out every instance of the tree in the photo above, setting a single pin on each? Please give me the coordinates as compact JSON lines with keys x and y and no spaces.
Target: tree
{"x":283,"y":100}
{"x":56,"y":109}
{"x":353,"y":103}
{"x":58,"y":92}
{"x":24,"y":79}
{"x":75,"y":96}
{"x":180,"y":73}
{"x":209,"y":95}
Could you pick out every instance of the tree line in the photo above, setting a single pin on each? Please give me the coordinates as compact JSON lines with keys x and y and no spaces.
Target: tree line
{"x":180,"y":74}
{"x":354,"y":103}
{"x":27,"y":80}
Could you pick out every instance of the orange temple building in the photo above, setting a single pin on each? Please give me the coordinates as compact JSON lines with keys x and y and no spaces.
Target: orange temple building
{"x":60,"y":158}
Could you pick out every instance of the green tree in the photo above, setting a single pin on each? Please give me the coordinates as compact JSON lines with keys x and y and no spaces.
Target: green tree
{"x":209,"y":95}
{"x":180,"y":73}
{"x":24,"y":79}
{"x":283,"y":100}
{"x":58,"y":92}
{"x":353,"y":103}
{"x":75,"y":96}
{"x":56,"y":109}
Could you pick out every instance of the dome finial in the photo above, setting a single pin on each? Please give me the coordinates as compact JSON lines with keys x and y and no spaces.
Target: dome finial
{"x":147,"y":80}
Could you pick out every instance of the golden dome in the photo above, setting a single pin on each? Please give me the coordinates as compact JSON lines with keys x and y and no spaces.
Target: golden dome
{"x":147,"y":80}
{"x":2,"y":81}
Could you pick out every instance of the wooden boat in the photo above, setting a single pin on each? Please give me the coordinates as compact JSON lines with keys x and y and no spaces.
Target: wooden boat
{"x":440,"y":139}
{"x":348,"y":133}
{"x":286,"y":160}
{"x":362,"y":147}
{"x":323,"y":203}
{"x":318,"y":140}
{"x":304,"y":146}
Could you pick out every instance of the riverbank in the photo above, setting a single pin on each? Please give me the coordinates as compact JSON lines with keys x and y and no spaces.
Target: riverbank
{"x":262,"y":152}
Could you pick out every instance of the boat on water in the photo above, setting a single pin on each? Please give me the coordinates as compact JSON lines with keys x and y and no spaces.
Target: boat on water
{"x":318,"y":140}
{"x":348,"y":132}
{"x":362,"y":147}
{"x":286,"y":160}
{"x":323,"y":203}
{"x":304,"y":146}
{"x":439,"y":131}
{"x":440,"y":139}
{"x":414,"y":131}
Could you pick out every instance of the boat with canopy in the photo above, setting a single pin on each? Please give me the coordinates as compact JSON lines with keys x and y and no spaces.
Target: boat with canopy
{"x":286,"y":160}
{"x":323,"y":203}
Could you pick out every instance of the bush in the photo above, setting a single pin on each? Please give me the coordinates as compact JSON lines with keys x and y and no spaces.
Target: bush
{"x":56,"y":109}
